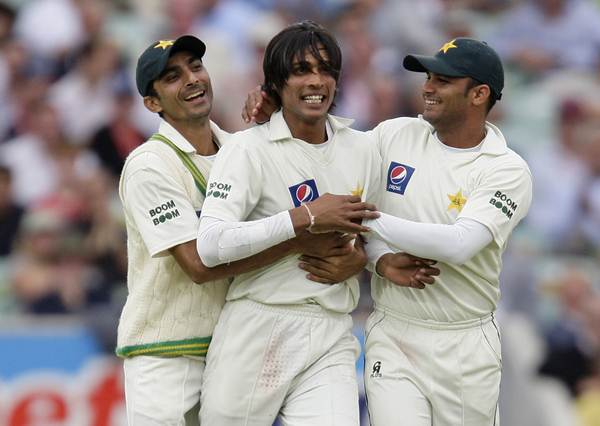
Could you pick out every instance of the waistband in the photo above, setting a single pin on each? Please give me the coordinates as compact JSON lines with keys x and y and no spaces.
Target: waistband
{"x":437,"y":325}
{"x":313,"y":310}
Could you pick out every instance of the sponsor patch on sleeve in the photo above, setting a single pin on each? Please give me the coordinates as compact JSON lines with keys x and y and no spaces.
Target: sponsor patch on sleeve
{"x":504,"y":203}
{"x":163,"y":212}
{"x":218,"y":190}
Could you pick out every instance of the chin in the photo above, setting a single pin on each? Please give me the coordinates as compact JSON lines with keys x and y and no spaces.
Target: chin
{"x":314,"y":117}
{"x":428,"y":117}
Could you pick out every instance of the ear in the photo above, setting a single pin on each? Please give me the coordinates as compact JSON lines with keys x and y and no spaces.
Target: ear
{"x":152,"y":103}
{"x":480,"y":94}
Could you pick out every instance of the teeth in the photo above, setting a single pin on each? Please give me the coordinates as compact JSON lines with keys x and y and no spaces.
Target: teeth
{"x":313,"y":99}
{"x":195,"y":95}
{"x":431,"y":102}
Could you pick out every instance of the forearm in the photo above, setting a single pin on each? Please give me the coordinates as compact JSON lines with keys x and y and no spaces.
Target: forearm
{"x":454,"y":244}
{"x":375,"y":248}
{"x":186,"y":256}
{"x":221,"y":242}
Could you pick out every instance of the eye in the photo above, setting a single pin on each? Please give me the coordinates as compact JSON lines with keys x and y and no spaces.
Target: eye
{"x":299,"y":70}
{"x":196,"y":65}
{"x":170,"y":77}
{"x":326,"y":69}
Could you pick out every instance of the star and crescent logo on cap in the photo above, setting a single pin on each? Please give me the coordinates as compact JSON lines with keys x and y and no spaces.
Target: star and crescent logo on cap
{"x":164,"y":44}
{"x":457,"y":201}
{"x":448,"y":46}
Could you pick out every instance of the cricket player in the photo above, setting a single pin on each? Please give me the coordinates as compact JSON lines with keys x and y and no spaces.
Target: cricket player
{"x":174,"y":301}
{"x":284,"y":345}
{"x":452,"y":191}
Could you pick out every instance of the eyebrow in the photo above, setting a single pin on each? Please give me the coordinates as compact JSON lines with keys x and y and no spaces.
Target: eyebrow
{"x":167,"y":70}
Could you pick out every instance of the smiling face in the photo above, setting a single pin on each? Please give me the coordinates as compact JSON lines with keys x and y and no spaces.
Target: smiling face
{"x":183,"y":92}
{"x":447,"y":100}
{"x":309,"y":90}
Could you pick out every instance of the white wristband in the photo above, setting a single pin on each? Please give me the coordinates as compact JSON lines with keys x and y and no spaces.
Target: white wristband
{"x":311,"y":218}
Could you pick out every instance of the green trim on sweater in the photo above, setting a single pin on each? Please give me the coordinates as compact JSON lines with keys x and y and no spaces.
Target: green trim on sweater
{"x":196,"y":347}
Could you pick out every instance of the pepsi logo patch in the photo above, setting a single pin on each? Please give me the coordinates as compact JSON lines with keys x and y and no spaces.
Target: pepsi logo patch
{"x":304,"y":192}
{"x":398,"y":177}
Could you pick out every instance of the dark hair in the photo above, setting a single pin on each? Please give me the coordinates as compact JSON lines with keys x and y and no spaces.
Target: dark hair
{"x":492,"y":99}
{"x":294,"y":42}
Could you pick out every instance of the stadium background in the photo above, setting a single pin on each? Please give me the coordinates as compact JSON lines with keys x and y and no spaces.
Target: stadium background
{"x":69,"y":114}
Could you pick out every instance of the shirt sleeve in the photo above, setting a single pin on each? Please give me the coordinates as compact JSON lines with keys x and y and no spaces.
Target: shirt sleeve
{"x":158,"y":203}
{"x":223,"y":242}
{"x":233,"y":191}
{"x":430,"y":240}
{"x":500,"y":200}
{"x":235,"y":183}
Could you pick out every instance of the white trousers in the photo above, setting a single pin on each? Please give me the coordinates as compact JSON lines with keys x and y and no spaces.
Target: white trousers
{"x":296,"y":362}
{"x":421,"y":373}
{"x":163,"y":391}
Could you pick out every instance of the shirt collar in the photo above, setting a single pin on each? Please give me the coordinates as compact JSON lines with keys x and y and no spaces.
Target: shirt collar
{"x":279,"y":130}
{"x":219,"y":134}
{"x":493,"y":143}
{"x":182,"y":143}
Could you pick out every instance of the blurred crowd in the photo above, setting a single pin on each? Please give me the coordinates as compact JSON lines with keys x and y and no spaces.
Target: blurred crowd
{"x":70,"y":114}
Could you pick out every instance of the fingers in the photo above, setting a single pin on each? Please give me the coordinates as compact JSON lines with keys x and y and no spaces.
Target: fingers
{"x":363,"y":214}
{"x":253,"y":104}
{"x":318,"y":279}
{"x":340,"y":251}
{"x":365,"y":206}
{"x":346,"y":226}
{"x":344,"y":239}
{"x":416,"y":284}
{"x":426,"y":275}
{"x":405,"y":260}
{"x":420,"y":260}
{"x":312,"y":262}
{"x":315,"y":273}
{"x":424,"y":279}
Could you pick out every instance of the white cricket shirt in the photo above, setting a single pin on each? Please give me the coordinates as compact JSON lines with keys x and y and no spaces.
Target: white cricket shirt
{"x":264,"y":171}
{"x":166,"y":313}
{"x":427,"y":181}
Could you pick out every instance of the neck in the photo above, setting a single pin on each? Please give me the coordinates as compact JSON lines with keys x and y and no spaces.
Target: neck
{"x":313,"y":132}
{"x":198,"y":134}
{"x":464,"y":135}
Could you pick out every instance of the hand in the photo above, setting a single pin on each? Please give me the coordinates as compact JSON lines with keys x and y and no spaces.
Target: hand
{"x":406,"y":270}
{"x":321,"y":245}
{"x":259,"y":106}
{"x":335,"y":269}
{"x":342,"y":213}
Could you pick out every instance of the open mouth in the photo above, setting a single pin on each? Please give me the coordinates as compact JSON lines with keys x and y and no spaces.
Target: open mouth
{"x":431,"y":102}
{"x":195,"y":95}
{"x":313,"y":99}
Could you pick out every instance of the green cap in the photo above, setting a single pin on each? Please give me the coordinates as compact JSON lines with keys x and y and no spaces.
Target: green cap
{"x":153,"y":61}
{"x":463,"y":57}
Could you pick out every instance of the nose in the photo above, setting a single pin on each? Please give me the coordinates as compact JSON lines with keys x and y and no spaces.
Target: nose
{"x":428,"y":86}
{"x":315,"y":78}
{"x":190,"y":77}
